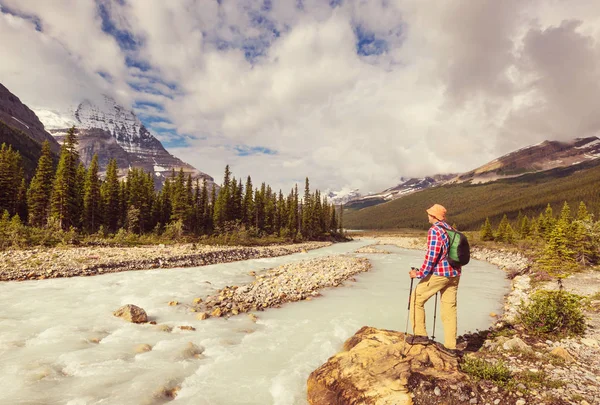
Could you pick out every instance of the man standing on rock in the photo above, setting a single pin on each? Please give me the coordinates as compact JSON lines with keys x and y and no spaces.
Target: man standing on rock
{"x":436,"y":275}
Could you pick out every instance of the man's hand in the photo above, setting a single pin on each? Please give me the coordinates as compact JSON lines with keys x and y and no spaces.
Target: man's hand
{"x":412,"y":273}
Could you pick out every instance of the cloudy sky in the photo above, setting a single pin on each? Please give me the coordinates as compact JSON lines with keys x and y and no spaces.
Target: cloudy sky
{"x":352,"y":93}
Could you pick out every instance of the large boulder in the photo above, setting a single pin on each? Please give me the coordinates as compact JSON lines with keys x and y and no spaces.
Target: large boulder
{"x":131,"y":313}
{"x":374,"y":368}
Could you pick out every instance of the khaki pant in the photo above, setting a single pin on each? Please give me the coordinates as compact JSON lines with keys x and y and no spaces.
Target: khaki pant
{"x":427,"y":287}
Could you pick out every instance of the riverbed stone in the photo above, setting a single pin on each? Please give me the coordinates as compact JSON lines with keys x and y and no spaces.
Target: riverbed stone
{"x":143,"y":348}
{"x":131,"y":313}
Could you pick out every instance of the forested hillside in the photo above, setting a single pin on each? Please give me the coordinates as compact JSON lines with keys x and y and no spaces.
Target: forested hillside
{"x":29,"y":149}
{"x":469,"y":205}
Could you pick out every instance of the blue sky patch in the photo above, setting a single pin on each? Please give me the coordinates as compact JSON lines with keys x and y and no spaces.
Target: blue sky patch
{"x":367,"y":43}
{"x":30,"y":17}
{"x":125,"y":39}
{"x":243,"y":150}
{"x":335,"y":3}
{"x":142,"y":104}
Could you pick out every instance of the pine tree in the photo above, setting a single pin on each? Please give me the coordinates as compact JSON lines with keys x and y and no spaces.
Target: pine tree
{"x":582,"y":213}
{"x":64,"y":200}
{"x":307,"y":212}
{"x":341,"y":219}
{"x":11,"y":178}
{"x":486,"y":232}
{"x":221,"y":206}
{"x":525,"y":229}
{"x":248,"y":204}
{"x":92,"y":200}
{"x":110,"y":197}
{"x":40,"y":189}
{"x":501,"y":231}
{"x":565,"y":214}
{"x":204,"y":209}
{"x":509,"y":234}
{"x":549,"y":222}
{"x":557,"y":257}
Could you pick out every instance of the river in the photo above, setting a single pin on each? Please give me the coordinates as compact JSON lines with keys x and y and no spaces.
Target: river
{"x":48,"y":330}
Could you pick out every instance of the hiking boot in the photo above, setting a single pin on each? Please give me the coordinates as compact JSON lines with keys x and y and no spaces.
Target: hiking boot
{"x":449,"y":352}
{"x":417,"y":340}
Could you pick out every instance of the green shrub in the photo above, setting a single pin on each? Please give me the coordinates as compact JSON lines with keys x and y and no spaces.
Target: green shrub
{"x":556,"y":313}
{"x":484,"y":370}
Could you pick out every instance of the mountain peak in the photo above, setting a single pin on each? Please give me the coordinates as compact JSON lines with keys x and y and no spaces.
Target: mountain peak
{"x":110,"y":130}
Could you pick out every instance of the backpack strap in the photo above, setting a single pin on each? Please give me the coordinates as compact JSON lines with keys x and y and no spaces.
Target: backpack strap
{"x":440,"y":255}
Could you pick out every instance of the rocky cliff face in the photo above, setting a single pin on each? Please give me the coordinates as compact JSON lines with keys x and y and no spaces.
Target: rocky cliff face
{"x":112,"y":131}
{"x":17,"y":115}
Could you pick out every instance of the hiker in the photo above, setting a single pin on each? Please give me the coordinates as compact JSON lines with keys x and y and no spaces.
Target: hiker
{"x":436,"y":275}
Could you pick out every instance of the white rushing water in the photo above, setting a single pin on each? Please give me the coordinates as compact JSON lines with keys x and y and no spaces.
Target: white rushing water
{"x":48,"y":327}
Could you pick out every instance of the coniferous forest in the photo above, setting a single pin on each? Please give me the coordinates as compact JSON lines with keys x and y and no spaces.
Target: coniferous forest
{"x":70,"y":203}
{"x":563,"y":243}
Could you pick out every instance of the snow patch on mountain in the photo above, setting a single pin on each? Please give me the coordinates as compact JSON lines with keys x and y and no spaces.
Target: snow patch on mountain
{"x":343,"y":196}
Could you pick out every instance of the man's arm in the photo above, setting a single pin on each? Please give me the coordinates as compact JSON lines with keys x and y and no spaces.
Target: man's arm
{"x":433,"y":251}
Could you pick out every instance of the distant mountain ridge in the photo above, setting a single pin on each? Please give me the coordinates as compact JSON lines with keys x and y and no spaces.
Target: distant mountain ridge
{"x":546,"y":155}
{"x":536,"y":158}
{"x":525,"y":180}
{"x":112,"y":131}
{"x":404,"y":188}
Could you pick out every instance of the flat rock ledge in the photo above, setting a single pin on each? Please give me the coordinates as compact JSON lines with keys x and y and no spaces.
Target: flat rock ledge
{"x":287,"y":283}
{"x":376,"y":367}
{"x":39,"y":264}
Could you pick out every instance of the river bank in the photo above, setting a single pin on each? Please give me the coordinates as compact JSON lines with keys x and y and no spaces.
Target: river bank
{"x":544,"y":371}
{"x":39,"y":264}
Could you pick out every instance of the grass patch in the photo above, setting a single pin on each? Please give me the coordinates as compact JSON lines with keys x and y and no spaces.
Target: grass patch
{"x":481,"y":369}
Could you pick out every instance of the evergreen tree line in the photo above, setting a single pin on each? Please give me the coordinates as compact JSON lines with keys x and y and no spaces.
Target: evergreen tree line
{"x":568,"y":240}
{"x":74,"y":198}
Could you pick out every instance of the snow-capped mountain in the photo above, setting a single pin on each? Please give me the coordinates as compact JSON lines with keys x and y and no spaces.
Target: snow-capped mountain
{"x":343,"y":196}
{"x":112,"y":131}
{"x":403,"y":188}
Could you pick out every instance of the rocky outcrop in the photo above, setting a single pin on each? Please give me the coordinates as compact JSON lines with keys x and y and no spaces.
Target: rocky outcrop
{"x":376,"y":367}
{"x":131,"y":313}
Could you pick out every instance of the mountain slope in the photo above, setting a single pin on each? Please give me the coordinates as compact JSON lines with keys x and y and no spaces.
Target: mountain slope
{"x":17,"y":115}
{"x":469,"y":204}
{"x":22,"y":130}
{"x":535,"y":158}
{"x":110,"y":130}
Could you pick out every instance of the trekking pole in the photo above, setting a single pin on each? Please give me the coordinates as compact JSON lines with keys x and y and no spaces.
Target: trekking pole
{"x":408,"y":314}
{"x":434,"y":316}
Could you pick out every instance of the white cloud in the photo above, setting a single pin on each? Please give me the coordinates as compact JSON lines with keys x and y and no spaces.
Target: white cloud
{"x":449,"y":87}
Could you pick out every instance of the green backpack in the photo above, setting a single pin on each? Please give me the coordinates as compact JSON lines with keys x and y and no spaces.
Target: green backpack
{"x":459,"y":251}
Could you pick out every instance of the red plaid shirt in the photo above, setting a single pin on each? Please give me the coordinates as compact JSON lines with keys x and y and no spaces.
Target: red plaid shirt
{"x":437,"y":241}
